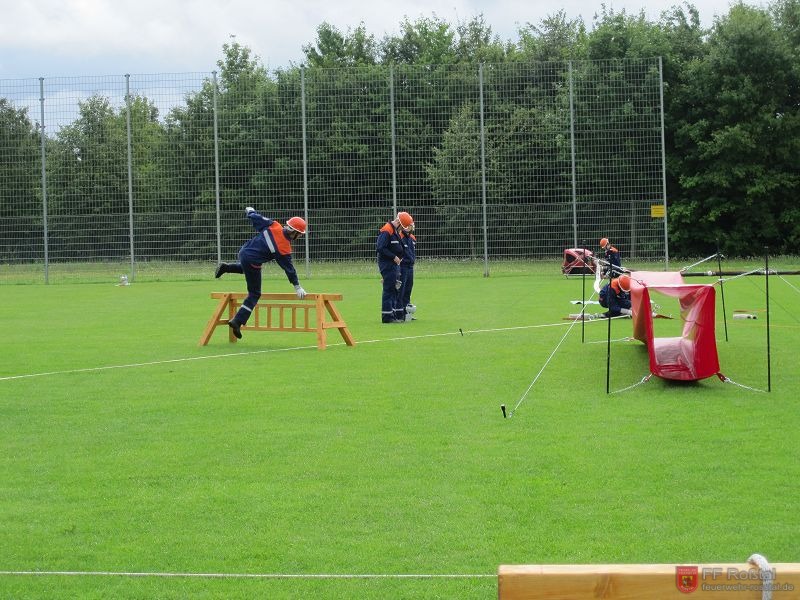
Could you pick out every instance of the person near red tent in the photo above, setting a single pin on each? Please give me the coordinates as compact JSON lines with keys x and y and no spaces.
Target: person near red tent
{"x":615,"y":296}
{"x":613,"y":265}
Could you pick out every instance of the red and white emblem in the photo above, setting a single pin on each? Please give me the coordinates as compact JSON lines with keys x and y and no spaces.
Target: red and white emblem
{"x":686,"y":579}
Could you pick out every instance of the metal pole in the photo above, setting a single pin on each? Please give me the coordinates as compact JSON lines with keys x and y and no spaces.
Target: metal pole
{"x":663,"y":164}
{"x":766,"y":280}
{"x":608,"y":354}
{"x":305,"y":163}
{"x":44,"y":184}
{"x":394,"y":140}
{"x":722,"y":291}
{"x":216,"y":170}
{"x":483,"y":179}
{"x":583,"y":295}
{"x":572,"y":159}
{"x":130,"y":172}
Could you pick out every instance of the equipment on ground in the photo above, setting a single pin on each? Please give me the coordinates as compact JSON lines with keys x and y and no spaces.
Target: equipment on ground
{"x":578,"y":261}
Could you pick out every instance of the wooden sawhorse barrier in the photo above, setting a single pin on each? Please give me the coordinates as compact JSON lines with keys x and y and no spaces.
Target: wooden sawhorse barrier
{"x":281,"y":312}
{"x":646,"y":582}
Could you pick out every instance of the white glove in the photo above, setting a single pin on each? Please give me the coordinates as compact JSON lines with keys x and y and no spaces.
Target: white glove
{"x":249,"y":209}
{"x":301,"y":293}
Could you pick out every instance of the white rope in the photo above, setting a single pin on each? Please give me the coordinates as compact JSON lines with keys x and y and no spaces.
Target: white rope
{"x":549,"y":358}
{"x":766,"y":575}
{"x":645,"y":379}
{"x":726,"y":379}
{"x":700,"y":262}
{"x":726,"y":279}
{"x":622,"y":339}
{"x":782,"y":278}
{"x":266,"y":351}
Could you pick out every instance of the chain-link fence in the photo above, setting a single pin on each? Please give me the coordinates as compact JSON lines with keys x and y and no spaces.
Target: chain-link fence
{"x":495,"y":162}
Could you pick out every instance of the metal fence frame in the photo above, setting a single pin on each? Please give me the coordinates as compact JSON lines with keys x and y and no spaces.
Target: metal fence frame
{"x":576,"y":234}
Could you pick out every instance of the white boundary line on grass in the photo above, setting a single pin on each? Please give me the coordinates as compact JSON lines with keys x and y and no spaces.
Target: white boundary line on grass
{"x":253,"y":575}
{"x":252,"y":352}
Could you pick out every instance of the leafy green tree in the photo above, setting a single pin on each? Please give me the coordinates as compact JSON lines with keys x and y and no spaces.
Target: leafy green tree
{"x":88,"y":184}
{"x":738,"y":142}
{"x":336,"y":49}
{"x":20,"y":187}
{"x":556,"y":38}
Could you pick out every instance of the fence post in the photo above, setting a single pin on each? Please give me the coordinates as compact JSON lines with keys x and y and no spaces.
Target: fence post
{"x":572,"y":160}
{"x":394,"y":140}
{"x":483,"y":177}
{"x":216,"y":169}
{"x":44,"y":184}
{"x":130,"y":171}
{"x":305,"y":164}
{"x":663,"y":163}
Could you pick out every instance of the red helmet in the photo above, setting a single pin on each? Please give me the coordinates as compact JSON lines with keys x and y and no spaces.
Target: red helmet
{"x":296,"y":224}
{"x":405,"y":219}
{"x":625,"y":283}
{"x":603,"y":242}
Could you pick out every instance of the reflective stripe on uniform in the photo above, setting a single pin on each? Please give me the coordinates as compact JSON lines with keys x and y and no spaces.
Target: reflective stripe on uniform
{"x":270,"y":245}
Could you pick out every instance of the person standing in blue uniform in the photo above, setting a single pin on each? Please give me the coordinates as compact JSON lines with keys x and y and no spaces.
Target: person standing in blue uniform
{"x":407,"y":270}
{"x":615,"y":296}
{"x":390,"y":251}
{"x":613,"y":267}
{"x":273,"y":242}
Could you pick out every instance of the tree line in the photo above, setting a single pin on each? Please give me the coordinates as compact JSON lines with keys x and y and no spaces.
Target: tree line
{"x":731,"y":122}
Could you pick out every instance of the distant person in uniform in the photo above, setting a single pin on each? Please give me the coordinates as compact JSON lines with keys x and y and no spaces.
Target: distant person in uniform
{"x":407,"y":270}
{"x":613,"y":267}
{"x":273,"y":242}
{"x":390,"y":251}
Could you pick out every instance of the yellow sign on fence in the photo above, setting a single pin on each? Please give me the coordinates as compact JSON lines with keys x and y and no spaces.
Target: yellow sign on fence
{"x":657,"y":211}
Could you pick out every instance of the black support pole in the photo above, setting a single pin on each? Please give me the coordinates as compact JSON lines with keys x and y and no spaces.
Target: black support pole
{"x":722,"y":291}
{"x":766,"y":280}
{"x":608,"y":356}
{"x":583,"y":295}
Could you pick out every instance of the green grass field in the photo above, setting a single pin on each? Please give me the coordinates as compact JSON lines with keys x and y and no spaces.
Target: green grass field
{"x":127,"y":448}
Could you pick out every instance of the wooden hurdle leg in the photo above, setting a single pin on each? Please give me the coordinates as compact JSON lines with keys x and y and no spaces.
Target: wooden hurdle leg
{"x":338,"y":323}
{"x":215,"y":320}
{"x":322,"y":335}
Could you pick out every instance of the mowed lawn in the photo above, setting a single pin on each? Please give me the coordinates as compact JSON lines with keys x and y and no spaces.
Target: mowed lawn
{"x":127,"y":448}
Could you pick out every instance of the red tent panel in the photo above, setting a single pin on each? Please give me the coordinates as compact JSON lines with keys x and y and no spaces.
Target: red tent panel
{"x":691,"y":356}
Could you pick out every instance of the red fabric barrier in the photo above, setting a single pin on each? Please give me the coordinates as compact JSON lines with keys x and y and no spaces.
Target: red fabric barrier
{"x":691,"y":356}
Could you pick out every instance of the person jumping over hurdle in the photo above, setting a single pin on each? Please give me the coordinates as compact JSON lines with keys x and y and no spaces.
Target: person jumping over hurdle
{"x":273,"y":242}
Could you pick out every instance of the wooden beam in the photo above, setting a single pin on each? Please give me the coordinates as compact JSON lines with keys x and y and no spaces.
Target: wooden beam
{"x":643,"y":582}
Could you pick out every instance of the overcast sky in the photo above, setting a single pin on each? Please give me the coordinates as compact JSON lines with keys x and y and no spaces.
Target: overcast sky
{"x":50,"y":38}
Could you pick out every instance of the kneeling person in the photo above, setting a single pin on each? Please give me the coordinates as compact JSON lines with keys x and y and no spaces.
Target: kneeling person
{"x":615,"y":296}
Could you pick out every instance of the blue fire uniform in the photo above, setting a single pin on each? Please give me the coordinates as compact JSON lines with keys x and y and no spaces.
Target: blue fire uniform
{"x":614,"y":299}
{"x":271,"y":243}
{"x":389,"y":246}
{"x":614,"y":266}
{"x":407,"y":268}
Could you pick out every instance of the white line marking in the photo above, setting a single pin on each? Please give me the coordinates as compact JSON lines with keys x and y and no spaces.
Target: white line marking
{"x":253,"y":352}
{"x":254,"y":575}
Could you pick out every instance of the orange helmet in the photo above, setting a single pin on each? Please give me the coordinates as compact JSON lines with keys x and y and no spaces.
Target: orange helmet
{"x":625,"y":283}
{"x":296,"y":224}
{"x":405,"y":219}
{"x":603,"y":242}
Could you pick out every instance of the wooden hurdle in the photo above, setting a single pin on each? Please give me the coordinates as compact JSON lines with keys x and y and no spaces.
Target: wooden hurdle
{"x":281,"y":312}
{"x":645,"y":582}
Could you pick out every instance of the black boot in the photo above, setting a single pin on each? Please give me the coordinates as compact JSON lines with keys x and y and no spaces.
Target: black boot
{"x":236,"y":328}
{"x":221,"y":268}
